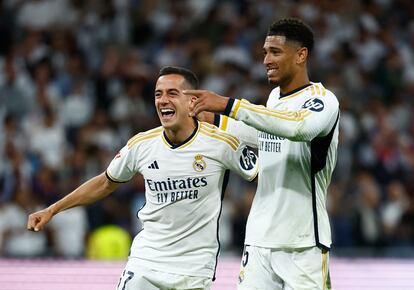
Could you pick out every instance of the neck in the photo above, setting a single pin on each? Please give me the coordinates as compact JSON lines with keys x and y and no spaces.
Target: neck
{"x":299,"y":80}
{"x":179,"y":135}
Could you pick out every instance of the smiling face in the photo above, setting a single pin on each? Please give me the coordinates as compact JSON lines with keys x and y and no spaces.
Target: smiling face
{"x":171,"y":104}
{"x":283,"y":59}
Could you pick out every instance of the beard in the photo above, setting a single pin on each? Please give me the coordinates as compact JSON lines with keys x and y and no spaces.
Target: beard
{"x":282,"y":81}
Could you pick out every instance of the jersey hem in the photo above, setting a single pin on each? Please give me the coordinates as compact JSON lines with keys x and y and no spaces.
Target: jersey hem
{"x":135,"y":261}
{"x":286,"y":245}
{"x":254,"y":175}
{"x":113,"y":179}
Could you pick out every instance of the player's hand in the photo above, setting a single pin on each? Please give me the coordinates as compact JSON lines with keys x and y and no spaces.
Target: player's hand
{"x":205,"y":116}
{"x":37,"y":220}
{"x":206,"y":101}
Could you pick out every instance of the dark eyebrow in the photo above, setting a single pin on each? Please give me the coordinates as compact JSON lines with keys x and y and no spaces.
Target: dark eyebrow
{"x":173,"y":90}
{"x":168,"y":90}
{"x":273,"y":48}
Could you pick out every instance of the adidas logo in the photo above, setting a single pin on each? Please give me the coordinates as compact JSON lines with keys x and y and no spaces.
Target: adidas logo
{"x":154,"y":165}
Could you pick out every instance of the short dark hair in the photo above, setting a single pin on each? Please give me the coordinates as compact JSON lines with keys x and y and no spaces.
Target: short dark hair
{"x":187,"y":74}
{"x":294,"y":30}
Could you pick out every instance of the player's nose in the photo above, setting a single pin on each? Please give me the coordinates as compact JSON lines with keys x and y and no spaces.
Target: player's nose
{"x":266,"y":60}
{"x":163,"y":99}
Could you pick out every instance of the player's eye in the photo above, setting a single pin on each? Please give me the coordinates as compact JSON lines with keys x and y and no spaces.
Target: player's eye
{"x":173,"y":93}
{"x":275,"y":51}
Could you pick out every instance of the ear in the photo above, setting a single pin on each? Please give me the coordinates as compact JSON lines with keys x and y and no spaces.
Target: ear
{"x":191,"y":102}
{"x":301,"y":55}
{"x":192,"y":99}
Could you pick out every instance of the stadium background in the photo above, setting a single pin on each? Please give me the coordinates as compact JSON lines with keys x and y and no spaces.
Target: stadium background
{"x":76,"y":82}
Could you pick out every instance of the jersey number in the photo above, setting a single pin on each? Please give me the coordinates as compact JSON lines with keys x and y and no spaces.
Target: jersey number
{"x":245,"y":257}
{"x":130,"y":276}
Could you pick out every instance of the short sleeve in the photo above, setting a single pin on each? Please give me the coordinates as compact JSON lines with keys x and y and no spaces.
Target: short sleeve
{"x":242,"y":161}
{"x":122,"y":167}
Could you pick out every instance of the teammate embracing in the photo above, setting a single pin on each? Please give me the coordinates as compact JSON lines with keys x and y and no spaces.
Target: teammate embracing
{"x":288,"y":235}
{"x":185,"y":165}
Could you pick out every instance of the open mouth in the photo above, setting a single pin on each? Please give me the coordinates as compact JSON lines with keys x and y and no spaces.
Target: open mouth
{"x":271,"y":72}
{"x":167,"y":113}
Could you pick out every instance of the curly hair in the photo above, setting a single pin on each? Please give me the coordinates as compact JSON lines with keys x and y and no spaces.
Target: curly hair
{"x":294,"y":30}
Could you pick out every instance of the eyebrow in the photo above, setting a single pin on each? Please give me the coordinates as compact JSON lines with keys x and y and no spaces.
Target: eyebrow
{"x":264,"y":49}
{"x":168,"y":90}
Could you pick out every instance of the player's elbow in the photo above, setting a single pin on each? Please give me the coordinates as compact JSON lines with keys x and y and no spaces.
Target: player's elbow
{"x":300,"y":133}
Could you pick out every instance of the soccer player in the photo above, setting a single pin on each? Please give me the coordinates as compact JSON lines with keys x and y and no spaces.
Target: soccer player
{"x":185,"y":166}
{"x":287,"y":233}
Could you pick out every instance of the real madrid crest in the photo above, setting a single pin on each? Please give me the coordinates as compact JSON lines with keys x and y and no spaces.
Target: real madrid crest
{"x":199,"y":164}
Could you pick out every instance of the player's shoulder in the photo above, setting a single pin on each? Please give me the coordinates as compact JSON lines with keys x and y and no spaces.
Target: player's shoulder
{"x":319,"y":90}
{"x":212,"y":132}
{"x":312,"y":90}
{"x":274,"y":97}
{"x":317,"y":95}
{"x":146,"y":135}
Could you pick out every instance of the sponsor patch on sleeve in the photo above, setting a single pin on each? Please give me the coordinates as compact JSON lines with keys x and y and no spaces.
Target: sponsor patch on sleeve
{"x":314,"y":104}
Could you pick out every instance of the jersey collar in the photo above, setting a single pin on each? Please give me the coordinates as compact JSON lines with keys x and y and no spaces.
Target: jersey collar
{"x":289,"y":94}
{"x":183,"y":144}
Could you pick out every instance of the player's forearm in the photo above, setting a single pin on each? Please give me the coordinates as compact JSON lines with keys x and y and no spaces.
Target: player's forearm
{"x":89,"y":192}
{"x":296,"y":126}
{"x":290,"y":129}
{"x":241,"y":130}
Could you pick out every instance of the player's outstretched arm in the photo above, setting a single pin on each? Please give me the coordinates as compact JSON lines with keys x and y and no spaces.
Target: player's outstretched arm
{"x":89,"y":192}
{"x":206,"y":101}
{"x":314,"y":118}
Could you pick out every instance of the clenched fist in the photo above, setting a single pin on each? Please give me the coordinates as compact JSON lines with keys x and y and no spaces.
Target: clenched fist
{"x":37,"y":220}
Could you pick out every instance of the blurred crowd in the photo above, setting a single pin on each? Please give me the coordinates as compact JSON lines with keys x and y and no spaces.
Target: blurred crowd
{"x":77,"y":80}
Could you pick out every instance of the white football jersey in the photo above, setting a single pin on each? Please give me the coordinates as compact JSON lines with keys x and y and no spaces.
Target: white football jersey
{"x":297,"y":144}
{"x":184,"y":187}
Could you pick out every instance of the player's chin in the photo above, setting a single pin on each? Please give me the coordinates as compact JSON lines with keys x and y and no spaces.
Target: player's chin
{"x":168,"y":123}
{"x":274,"y":81}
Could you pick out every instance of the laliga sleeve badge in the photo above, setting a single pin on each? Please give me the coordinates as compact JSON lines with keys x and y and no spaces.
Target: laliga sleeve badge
{"x":199,"y":164}
{"x":247,"y":159}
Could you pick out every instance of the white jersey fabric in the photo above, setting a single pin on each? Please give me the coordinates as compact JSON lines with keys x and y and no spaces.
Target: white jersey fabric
{"x":184,"y":186}
{"x":297,"y":144}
